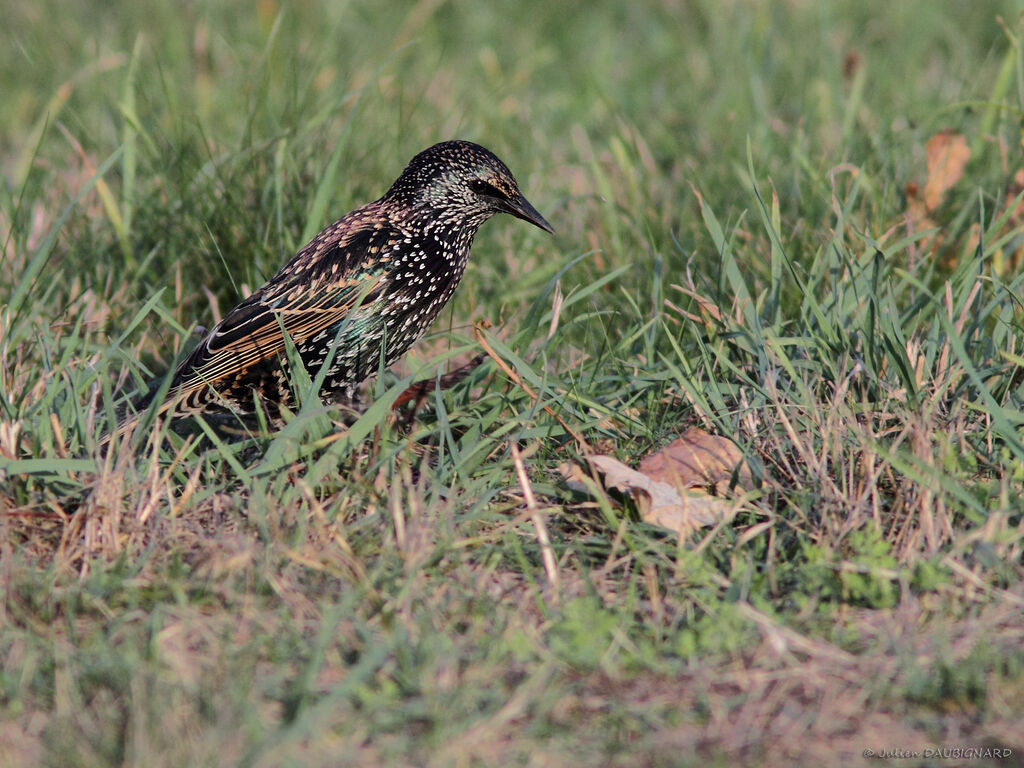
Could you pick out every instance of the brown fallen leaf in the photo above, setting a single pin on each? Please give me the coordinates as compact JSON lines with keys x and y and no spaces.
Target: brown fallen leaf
{"x":660,"y":503}
{"x":699,"y":460}
{"x":947,"y":154}
{"x":1006,"y":260}
{"x":852,"y":62}
{"x":574,"y":475}
{"x":917,"y":212}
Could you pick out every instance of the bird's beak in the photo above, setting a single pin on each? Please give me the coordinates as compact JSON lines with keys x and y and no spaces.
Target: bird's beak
{"x":520,"y":207}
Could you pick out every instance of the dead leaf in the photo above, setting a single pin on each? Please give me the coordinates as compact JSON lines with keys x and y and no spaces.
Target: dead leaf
{"x":663,"y":485}
{"x":947,"y":154}
{"x":851,"y":63}
{"x":659,"y":503}
{"x":1006,"y":261}
{"x":698,"y":460}
{"x":574,"y":475}
{"x":917,"y":211}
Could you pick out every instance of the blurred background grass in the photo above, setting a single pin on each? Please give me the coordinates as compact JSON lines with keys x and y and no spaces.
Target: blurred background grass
{"x":366,"y":605}
{"x":262,"y":95}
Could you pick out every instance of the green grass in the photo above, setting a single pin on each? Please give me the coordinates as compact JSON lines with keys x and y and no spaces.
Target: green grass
{"x":730,"y":186}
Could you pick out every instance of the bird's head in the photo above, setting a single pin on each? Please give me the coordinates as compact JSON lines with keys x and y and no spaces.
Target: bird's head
{"x":464,"y":180}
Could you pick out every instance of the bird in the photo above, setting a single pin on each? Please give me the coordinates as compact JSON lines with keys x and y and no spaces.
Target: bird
{"x":357,"y":296}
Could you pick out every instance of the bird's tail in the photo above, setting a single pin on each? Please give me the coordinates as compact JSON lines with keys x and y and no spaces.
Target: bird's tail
{"x":135,"y":413}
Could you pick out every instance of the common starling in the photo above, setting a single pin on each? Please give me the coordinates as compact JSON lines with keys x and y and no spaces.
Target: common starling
{"x":375,"y":278}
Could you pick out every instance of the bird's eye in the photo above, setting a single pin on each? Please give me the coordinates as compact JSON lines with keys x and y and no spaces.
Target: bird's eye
{"x":482,"y":187}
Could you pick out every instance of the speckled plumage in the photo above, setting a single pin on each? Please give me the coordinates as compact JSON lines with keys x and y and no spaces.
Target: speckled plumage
{"x":376,"y":277}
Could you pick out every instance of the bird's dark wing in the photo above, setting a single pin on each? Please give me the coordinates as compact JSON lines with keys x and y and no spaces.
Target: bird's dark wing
{"x":317,"y":289}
